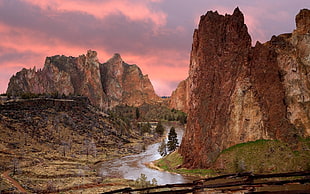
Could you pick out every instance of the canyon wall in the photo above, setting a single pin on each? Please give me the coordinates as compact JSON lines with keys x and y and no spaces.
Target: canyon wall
{"x":240,"y":93}
{"x":180,"y":97}
{"x":106,"y":85}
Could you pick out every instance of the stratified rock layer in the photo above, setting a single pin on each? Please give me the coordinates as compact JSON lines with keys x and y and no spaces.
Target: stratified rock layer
{"x":240,"y":93}
{"x":106,"y":85}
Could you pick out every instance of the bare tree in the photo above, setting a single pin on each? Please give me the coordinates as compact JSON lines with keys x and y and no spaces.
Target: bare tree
{"x":86,"y":147}
{"x":93,"y":148}
{"x":65,"y":147}
{"x":25,"y":138}
{"x":15,"y":163}
{"x":90,"y":148}
{"x":50,"y":186}
{"x":81,"y":174}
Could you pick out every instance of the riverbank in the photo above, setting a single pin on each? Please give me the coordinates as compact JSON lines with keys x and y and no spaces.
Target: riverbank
{"x":172,"y":163}
{"x":131,"y":167}
{"x":261,"y":156}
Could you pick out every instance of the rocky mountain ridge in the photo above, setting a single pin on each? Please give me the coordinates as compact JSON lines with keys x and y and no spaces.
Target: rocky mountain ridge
{"x":106,"y":85}
{"x":240,"y":93}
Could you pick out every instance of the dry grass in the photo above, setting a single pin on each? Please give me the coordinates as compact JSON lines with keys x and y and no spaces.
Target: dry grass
{"x":44,"y":167}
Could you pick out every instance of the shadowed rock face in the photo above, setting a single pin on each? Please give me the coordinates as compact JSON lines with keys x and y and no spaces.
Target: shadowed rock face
{"x":106,"y":85}
{"x":240,"y":93}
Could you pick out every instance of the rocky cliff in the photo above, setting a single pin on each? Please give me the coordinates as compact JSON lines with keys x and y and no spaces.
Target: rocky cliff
{"x":106,"y":85}
{"x":63,"y":75}
{"x":240,"y":93}
{"x":125,"y":84}
{"x":180,"y":97}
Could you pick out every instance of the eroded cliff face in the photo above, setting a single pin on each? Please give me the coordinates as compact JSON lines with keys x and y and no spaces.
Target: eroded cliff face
{"x":63,"y":75}
{"x":180,"y":97}
{"x":125,"y":84}
{"x":240,"y":93}
{"x":106,"y":85}
{"x":293,"y":57}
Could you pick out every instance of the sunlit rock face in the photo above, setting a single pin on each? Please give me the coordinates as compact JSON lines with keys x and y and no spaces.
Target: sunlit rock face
{"x":240,"y":93}
{"x":293,"y":58}
{"x":180,"y":97}
{"x":106,"y":85}
{"x":125,"y":84}
{"x":62,"y":75}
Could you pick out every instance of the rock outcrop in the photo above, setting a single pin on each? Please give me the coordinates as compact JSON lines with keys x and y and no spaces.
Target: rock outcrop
{"x":240,"y":93}
{"x":125,"y":84}
{"x":106,"y":85}
{"x":293,"y":58}
{"x":180,"y":97}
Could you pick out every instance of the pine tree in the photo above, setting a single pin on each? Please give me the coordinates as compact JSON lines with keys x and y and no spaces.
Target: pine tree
{"x":137,"y":113}
{"x":159,"y":129}
{"x":145,"y":128}
{"x":172,"y":140}
{"x":162,"y":149}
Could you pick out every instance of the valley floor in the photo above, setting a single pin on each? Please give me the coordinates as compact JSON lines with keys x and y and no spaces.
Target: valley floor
{"x":47,"y":148}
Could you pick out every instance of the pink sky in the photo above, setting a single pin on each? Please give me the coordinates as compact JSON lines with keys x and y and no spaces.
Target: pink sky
{"x":154,"y":34}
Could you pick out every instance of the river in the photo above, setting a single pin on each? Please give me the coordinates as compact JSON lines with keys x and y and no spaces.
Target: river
{"x":131,"y":167}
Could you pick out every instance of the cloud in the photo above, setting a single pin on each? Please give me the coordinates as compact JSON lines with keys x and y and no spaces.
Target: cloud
{"x":33,"y":30}
{"x":114,"y":33}
{"x":154,"y":34}
{"x":135,"y":10}
{"x":165,"y":69}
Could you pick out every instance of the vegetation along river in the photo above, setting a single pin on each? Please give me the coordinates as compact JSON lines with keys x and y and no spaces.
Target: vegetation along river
{"x":131,"y":167}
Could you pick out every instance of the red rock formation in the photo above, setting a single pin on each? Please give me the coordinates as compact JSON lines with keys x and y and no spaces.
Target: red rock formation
{"x":63,"y":75}
{"x":239,"y":93}
{"x":180,"y":97}
{"x":106,"y":85}
{"x":125,"y":84}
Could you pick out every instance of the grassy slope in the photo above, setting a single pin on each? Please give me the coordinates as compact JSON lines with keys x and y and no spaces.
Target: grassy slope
{"x":265,"y":156}
{"x":172,"y":163}
{"x":261,"y":156}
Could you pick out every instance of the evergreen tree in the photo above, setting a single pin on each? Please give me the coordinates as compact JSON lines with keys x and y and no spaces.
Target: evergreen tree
{"x":137,"y":113}
{"x":183,"y":118}
{"x":159,"y":128}
{"x":172,"y":140}
{"x":162,"y":149}
{"x":145,"y":128}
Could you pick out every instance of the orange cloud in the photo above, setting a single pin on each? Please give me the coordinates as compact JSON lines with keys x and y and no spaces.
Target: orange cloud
{"x":31,"y":45}
{"x":22,"y":40}
{"x":163,"y":67}
{"x":133,"y":10}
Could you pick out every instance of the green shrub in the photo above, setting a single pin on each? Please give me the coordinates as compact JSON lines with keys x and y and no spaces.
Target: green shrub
{"x":142,"y":182}
{"x":29,"y":95}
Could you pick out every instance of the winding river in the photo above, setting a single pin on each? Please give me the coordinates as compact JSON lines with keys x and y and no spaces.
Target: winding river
{"x":131,"y":167}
